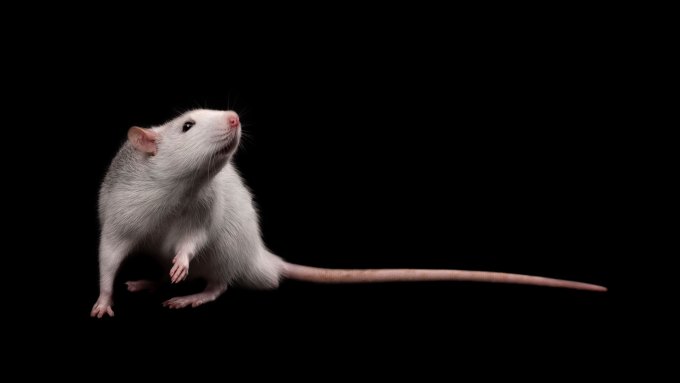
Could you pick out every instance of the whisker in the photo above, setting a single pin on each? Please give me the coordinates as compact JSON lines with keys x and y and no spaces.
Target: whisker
{"x":244,"y":144}
{"x":245,"y":110}
{"x":234,"y":106}
{"x":212,"y":156}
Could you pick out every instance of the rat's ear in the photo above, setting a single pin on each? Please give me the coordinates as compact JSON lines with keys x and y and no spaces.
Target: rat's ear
{"x":143,"y":140}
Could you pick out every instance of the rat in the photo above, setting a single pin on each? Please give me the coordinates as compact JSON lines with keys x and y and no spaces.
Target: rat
{"x":173,"y":189}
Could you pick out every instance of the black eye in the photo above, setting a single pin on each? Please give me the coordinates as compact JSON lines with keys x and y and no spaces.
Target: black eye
{"x":187,"y":125}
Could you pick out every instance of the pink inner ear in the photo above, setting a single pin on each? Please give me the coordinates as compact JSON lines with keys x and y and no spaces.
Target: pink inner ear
{"x":143,"y":140}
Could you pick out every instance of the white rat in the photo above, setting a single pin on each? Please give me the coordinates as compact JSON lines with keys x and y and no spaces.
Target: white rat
{"x":173,"y":189}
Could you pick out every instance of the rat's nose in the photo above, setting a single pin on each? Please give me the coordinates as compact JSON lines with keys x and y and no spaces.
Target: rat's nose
{"x":232,"y":119}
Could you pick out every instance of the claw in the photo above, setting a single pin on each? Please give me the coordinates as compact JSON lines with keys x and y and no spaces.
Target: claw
{"x":99,"y":311}
{"x":102,"y":306}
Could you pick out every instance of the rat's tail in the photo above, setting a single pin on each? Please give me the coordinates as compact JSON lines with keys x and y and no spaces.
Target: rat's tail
{"x":319,"y":275}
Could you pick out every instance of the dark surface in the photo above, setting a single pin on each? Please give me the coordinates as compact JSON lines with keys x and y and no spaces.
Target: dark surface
{"x":401,"y":156}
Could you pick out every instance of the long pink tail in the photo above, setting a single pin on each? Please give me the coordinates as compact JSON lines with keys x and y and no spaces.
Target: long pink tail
{"x":319,"y":275}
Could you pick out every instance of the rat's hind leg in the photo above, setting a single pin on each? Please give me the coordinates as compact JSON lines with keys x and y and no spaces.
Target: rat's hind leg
{"x":211,"y":292}
{"x":141,"y":285}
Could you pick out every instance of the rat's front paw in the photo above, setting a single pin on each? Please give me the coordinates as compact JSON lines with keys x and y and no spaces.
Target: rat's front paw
{"x":102,"y":307}
{"x":180,"y":269}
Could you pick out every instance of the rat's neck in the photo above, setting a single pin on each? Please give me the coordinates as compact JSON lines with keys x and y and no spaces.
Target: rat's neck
{"x":183,"y":190}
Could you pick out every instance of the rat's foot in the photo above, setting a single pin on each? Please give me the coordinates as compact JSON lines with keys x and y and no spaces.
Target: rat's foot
{"x":141,"y":285}
{"x":195,"y":300}
{"x":180,"y":269}
{"x":102,"y":306}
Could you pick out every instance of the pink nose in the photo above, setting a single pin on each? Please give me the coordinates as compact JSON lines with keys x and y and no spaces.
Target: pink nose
{"x":232,"y":119}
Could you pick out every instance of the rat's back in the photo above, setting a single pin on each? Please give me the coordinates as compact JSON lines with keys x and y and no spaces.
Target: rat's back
{"x":128,"y":192}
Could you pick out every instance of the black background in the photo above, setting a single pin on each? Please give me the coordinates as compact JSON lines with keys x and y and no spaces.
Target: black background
{"x":442,"y":149}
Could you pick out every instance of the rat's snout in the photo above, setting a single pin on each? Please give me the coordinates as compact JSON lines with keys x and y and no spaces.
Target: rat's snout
{"x":232,"y":119}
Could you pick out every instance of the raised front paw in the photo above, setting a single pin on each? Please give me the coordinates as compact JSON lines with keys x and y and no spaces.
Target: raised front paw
{"x":102,"y":307}
{"x":180,"y":269}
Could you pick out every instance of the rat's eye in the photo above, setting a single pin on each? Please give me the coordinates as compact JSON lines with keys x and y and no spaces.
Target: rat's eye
{"x":187,"y":125}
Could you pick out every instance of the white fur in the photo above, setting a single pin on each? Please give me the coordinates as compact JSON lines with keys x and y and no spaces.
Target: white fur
{"x":186,"y":199}
{"x":188,"y":204}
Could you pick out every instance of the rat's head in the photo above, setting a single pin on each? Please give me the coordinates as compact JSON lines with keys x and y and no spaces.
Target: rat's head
{"x":198,"y":142}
